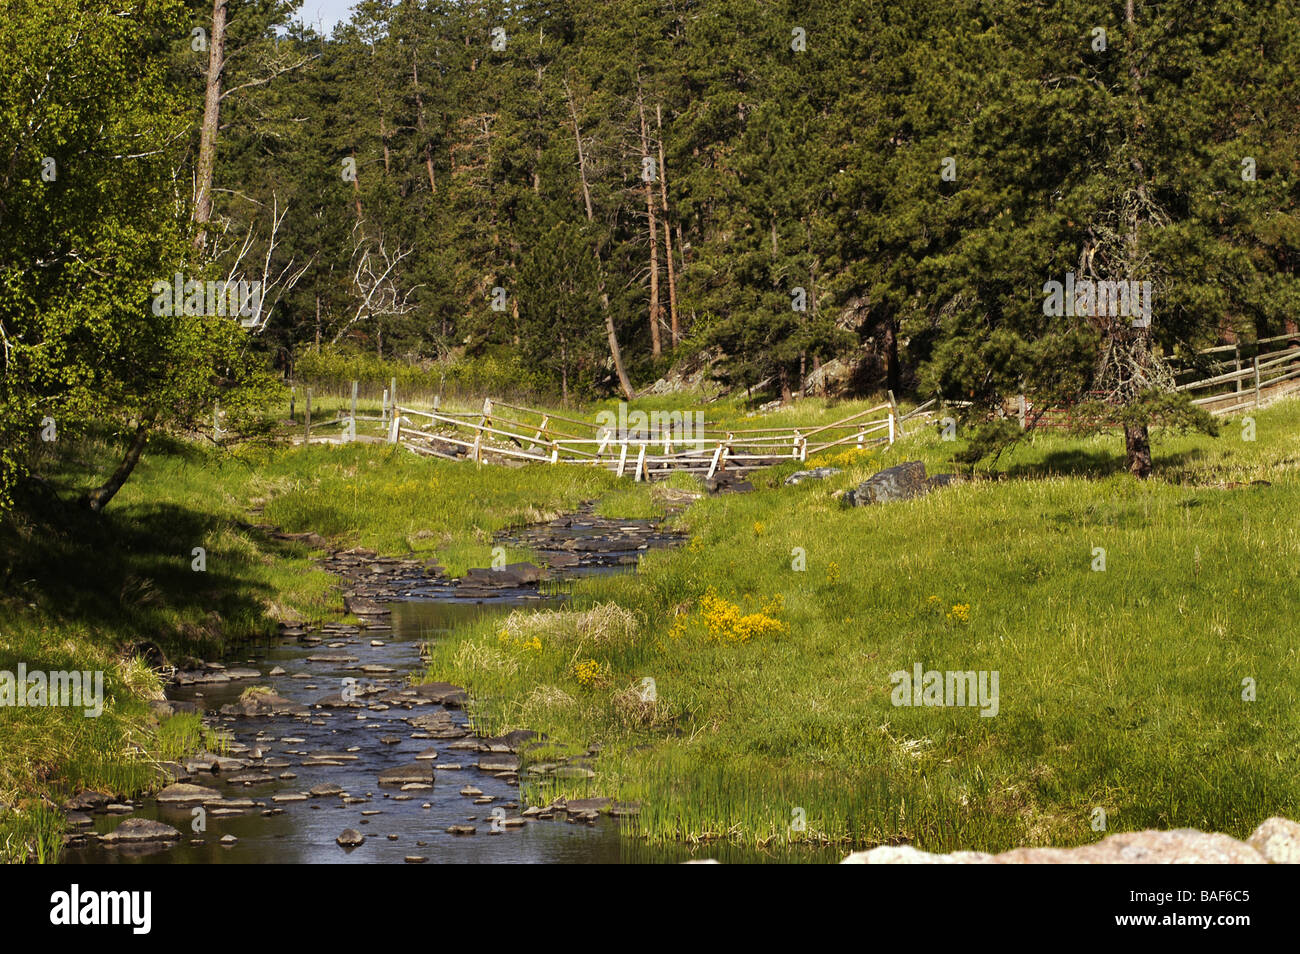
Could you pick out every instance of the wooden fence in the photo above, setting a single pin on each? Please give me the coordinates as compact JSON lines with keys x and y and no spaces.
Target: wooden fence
{"x":501,"y":432}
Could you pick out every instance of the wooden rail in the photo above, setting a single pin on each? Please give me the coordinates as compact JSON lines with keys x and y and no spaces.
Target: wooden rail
{"x":531,"y":435}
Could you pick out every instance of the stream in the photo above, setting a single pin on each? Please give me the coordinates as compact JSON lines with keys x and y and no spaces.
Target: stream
{"x":338,"y":742}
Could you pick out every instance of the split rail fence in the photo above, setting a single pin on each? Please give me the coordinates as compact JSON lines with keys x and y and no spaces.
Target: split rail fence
{"x":500,"y":432}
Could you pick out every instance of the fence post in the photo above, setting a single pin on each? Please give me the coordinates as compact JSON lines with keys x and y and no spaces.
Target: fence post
{"x":395,"y":428}
{"x":891,"y":426}
{"x":306,"y":435}
{"x":216,"y":422}
{"x":622,"y":458}
{"x":794,"y":445}
{"x":353,"y":415}
{"x":640,"y":462}
{"x":392,"y":393}
{"x":1236,"y":356}
{"x":1021,"y":410}
{"x":893,"y":409}
{"x":1256,"y":363}
{"x":383,"y":410}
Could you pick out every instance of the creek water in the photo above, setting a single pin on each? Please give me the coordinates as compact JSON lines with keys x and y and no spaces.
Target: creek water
{"x":282,"y":828}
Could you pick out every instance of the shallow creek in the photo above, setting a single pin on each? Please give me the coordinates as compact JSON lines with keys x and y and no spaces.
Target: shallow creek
{"x":345,"y":748}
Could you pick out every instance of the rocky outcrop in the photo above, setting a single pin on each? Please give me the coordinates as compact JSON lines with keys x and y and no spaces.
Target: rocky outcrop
{"x":1276,"y":841}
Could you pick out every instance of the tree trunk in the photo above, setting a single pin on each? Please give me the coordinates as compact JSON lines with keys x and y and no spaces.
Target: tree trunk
{"x":419,"y":122}
{"x":656,"y":346}
{"x":356,"y":184}
{"x":675,"y":327}
{"x":610,"y":333}
{"x":1137,"y":450}
{"x":97,"y":499}
{"x":892,"y":375}
{"x":211,"y":124}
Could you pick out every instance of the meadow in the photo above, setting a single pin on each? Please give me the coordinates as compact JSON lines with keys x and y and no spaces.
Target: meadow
{"x":769,"y":636}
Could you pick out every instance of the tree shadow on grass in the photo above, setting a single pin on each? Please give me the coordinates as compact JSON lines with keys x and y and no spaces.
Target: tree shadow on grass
{"x":1091,"y":463}
{"x":128,"y":575}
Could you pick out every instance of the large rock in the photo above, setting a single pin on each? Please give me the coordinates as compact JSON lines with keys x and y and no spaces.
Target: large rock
{"x":901,"y":482}
{"x":138,"y":830}
{"x":1278,"y":840}
{"x":1180,"y":847}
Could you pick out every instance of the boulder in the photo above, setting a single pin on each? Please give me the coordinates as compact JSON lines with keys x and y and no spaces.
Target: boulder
{"x":901,"y":482}
{"x":1278,"y":840}
{"x":1181,"y":846}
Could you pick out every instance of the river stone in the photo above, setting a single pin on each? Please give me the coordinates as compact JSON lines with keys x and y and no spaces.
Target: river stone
{"x":324,"y":789}
{"x":901,"y":482}
{"x":1278,"y":840}
{"x":510,"y":742}
{"x":79,"y":820}
{"x":264,"y":704}
{"x":183,"y":794}
{"x":249,"y":778}
{"x":499,"y":763}
{"x":86,"y":801}
{"x":350,"y":838}
{"x":136,"y":830}
{"x":415,"y":859}
{"x":509,"y":576}
{"x":415,"y":773}
{"x":228,"y":839}
{"x":461,"y":830}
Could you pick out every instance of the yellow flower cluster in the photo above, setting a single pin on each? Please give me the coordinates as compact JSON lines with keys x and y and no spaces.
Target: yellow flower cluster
{"x":591,"y":673}
{"x":960,"y":612}
{"x":724,"y":620}
{"x":533,"y":643}
{"x":758,"y":528}
{"x":832,"y":572}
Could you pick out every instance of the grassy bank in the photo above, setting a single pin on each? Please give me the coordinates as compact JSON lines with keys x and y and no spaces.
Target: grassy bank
{"x":1120,"y":689}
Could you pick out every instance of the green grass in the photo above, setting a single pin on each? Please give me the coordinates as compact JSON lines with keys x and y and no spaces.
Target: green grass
{"x":1119,"y":689}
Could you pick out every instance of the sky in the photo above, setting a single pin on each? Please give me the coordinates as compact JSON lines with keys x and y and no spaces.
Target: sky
{"x":324,"y":14}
